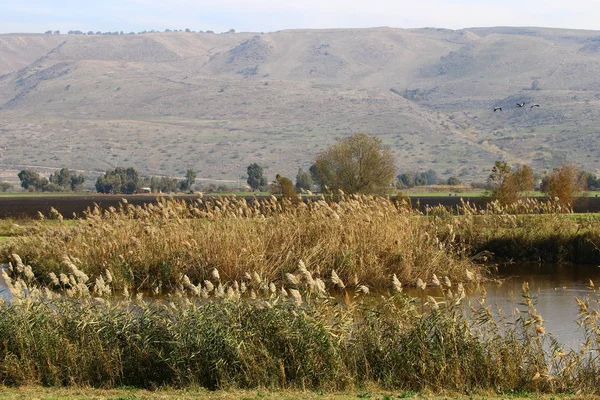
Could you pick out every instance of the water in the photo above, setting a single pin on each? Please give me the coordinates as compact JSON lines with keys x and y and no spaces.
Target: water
{"x":554,"y":288}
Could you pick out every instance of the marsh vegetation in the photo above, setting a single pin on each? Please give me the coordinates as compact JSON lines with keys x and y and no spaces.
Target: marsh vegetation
{"x":282,"y":294}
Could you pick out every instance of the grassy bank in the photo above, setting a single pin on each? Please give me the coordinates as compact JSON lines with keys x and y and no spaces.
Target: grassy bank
{"x":528,"y":230}
{"x":255,"y":335}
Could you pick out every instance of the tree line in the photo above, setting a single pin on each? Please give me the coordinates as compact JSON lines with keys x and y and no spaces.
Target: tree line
{"x":356,"y":164}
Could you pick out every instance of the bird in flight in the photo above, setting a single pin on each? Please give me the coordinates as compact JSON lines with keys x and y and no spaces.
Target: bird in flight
{"x":497,"y":109}
{"x":520,"y":105}
{"x":535,"y":105}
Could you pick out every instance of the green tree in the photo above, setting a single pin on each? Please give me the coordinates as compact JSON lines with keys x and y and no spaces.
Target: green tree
{"x":76,"y":182}
{"x":256,"y":180}
{"x":6,"y":186}
{"x":405,"y":180}
{"x":186,"y":184}
{"x":303,"y":180}
{"x":591,"y":181}
{"x":357,"y":164}
{"x":31,"y":180}
{"x":66,"y":179}
{"x":61,"y":178}
{"x":453,"y":181}
{"x":120,"y":180}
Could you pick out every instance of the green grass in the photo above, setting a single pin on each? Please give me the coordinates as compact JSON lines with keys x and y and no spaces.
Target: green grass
{"x":444,"y":194}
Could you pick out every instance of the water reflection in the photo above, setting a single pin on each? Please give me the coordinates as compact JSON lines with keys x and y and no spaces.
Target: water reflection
{"x":554,"y":288}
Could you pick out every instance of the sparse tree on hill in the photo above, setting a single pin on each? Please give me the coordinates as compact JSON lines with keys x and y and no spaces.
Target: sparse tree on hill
{"x":256,"y":180}
{"x":357,"y":164}
{"x":564,"y":183}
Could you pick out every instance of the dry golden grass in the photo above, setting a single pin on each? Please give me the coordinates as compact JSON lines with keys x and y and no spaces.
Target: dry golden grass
{"x":365,"y":240}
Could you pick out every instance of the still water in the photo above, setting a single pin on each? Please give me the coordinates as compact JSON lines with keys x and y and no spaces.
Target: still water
{"x":554,"y":288}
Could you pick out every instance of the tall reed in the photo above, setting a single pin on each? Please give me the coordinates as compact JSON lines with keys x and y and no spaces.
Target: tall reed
{"x":252,"y":334}
{"x":365,"y":240}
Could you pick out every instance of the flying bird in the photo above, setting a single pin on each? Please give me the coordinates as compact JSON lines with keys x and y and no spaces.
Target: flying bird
{"x":520,"y":105}
{"x":497,"y":109}
{"x":535,"y":105}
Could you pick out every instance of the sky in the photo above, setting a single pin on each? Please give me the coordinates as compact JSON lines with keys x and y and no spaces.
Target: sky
{"x":31,"y":16}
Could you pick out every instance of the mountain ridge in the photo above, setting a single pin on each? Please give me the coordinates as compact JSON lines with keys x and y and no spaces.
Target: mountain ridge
{"x":165,"y":102}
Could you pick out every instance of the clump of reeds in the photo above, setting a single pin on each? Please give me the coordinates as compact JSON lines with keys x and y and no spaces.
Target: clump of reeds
{"x":251,"y":334}
{"x":362,"y":239}
{"x":527,"y":230}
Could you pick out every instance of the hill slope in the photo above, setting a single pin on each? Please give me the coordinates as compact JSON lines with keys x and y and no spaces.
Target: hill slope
{"x":216,"y":103}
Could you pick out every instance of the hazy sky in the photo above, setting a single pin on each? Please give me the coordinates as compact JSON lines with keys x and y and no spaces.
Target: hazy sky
{"x":272,"y":15}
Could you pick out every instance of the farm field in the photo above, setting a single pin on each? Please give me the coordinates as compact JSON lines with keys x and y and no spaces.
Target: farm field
{"x":28,"y":205}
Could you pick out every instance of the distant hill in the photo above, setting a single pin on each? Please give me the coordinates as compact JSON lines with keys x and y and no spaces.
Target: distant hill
{"x":165,"y":102}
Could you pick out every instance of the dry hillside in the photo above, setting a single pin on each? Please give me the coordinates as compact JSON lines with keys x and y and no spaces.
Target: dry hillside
{"x":165,"y":102}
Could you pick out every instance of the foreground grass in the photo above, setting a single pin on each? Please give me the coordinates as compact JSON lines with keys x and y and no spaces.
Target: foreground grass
{"x":44,"y":393}
{"x":298,"y":336}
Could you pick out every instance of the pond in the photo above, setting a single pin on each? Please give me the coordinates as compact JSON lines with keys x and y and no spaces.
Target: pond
{"x":553,"y":286}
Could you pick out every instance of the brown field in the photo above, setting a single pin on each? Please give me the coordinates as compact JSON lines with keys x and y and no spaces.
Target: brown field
{"x":29,"y":207}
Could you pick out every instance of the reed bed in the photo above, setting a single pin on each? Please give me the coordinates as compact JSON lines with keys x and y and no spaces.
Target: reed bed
{"x":254,"y":334}
{"x":365,"y":240}
{"x":527,"y":230}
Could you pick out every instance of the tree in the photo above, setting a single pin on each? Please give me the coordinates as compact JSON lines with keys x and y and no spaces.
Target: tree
{"x":453,"y":181}
{"x":163,"y":184}
{"x":31,"y":180}
{"x":409,"y":179}
{"x":256,"y":180}
{"x":186,"y":184}
{"x":6,"y":186}
{"x":405,"y":180}
{"x":592,"y":182}
{"x":357,"y":164}
{"x":505,"y":184}
{"x":119,"y":180}
{"x":76,"y":182}
{"x":66,"y":180}
{"x":283,"y":186}
{"x":303,"y":180}
{"x":564,"y":183}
